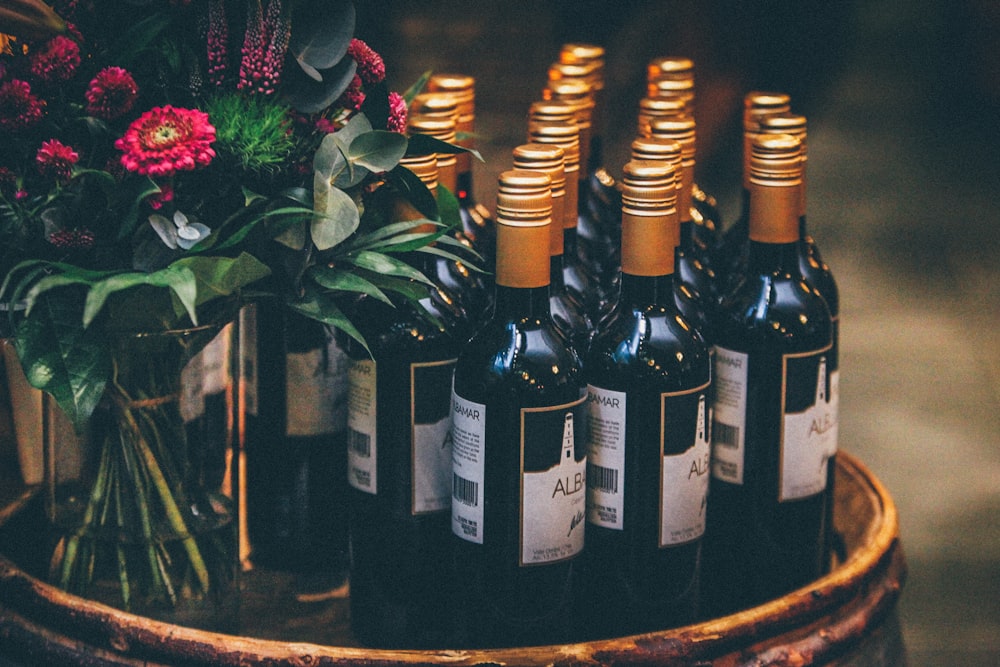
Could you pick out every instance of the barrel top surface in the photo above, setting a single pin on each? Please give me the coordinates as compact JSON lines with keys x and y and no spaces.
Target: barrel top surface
{"x":812,"y":622}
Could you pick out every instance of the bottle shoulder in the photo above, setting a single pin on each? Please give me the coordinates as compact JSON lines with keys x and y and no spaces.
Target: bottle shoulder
{"x":774,"y":310}
{"x":656,"y":344}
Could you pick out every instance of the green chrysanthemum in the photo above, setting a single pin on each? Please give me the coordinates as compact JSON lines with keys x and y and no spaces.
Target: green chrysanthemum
{"x":252,"y":131}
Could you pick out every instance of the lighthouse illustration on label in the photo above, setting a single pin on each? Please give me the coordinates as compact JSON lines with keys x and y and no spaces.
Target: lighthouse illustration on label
{"x":808,"y":437}
{"x":684,"y":473}
{"x":553,"y":496}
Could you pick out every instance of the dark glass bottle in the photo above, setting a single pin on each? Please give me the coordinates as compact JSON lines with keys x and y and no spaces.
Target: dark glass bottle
{"x":399,"y":461}
{"x":295,"y":379}
{"x":477,"y":221}
{"x":771,"y":436}
{"x":673,"y":76}
{"x":567,"y":312}
{"x":470,"y":287}
{"x":519,"y":445}
{"x":649,"y":374}
{"x":731,"y":253}
{"x":577,"y":276}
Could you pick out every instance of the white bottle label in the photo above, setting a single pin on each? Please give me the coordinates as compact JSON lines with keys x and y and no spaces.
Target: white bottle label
{"x":553,"y":493}
{"x":684,"y":476}
{"x":606,"y":457}
{"x":808,"y":434}
{"x":361,"y":435}
{"x":729,"y":415}
{"x":468,"y":459}
{"x":248,"y":358}
{"x":316,"y":386}
{"x":430,"y":411}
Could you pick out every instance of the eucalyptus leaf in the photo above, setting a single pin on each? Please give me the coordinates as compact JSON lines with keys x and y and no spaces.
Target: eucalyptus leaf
{"x":378,"y":150}
{"x":307,"y":94}
{"x":321,"y":32}
{"x":329,"y":158}
{"x":338,"y":217}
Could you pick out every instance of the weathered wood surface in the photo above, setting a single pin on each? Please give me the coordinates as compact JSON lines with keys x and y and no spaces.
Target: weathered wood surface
{"x":845,"y":618}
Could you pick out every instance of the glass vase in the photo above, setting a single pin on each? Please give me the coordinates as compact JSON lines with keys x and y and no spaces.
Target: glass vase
{"x":149,"y":522}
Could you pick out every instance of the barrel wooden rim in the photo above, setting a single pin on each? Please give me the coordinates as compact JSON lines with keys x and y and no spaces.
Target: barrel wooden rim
{"x":812,"y":624}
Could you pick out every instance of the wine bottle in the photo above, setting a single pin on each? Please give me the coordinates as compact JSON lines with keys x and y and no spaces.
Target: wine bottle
{"x":648,"y":372}
{"x":771,"y":440}
{"x":694,"y":292}
{"x":673,"y":77}
{"x":519,"y":446}
{"x":695,"y":261}
{"x":477,"y":221}
{"x":399,"y":460}
{"x":567,"y":312}
{"x":468,"y":285}
{"x":580,"y":282}
{"x":295,"y":392}
{"x":731,"y":253}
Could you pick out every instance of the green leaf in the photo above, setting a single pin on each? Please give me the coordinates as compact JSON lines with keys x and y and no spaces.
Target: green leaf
{"x":219,"y":277}
{"x":311,"y":90}
{"x":407,"y":288}
{"x":322,"y":308}
{"x":346,"y":281}
{"x":414,"y":191}
{"x":63,"y":359}
{"x":378,"y":150}
{"x":448,"y":207}
{"x":370,"y":239}
{"x":380,"y":263}
{"x":329,"y":158}
{"x":422,"y":144}
{"x":321,"y":32}
{"x":417,"y":87}
{"x":338,"y":216}
{"x":179,"y":279}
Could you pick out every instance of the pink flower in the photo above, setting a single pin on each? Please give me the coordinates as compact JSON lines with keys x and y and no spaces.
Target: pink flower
{"x":57,"y":60}
{"x":72,"y":239}
{"x":111,"y":93}
{"x":264,"y":46}
{"x":165,"y":140}
{"x":353,"y":97}
{"x":371,"y":67}
{"x":326,"y":126}
{"x":56,"y":159}
{"x":218,"y":42}
{"x":397,"y":114}
{"x":19,"y":109}
{"x":158,"y":199}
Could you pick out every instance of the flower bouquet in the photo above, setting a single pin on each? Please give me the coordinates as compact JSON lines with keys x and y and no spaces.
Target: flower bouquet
{"x":165,"y":161}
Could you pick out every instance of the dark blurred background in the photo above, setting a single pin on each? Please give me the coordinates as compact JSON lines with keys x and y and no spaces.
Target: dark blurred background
{"x":903,"y":101}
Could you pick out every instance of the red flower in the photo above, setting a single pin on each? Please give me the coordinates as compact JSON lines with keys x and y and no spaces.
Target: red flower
{"x":353,"y":97}
{"x":371,"y":67}
{"x":57,"y":60}
{"x":397,"y":113}
{"x":56,"y":159}
{"x":111,"y":93}
{"x":165,"y":140}
{"x":158,"y":199}
{"x":19,"y":109}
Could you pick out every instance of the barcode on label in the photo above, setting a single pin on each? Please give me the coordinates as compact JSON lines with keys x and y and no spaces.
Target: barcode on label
{"x":726,"y":435}
{"x":602,"y":479}
{"x":465,"y":491}
{"x":359,"y":443}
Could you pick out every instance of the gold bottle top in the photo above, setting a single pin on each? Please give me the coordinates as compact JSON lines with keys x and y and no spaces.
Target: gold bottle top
{"x":674,"y":67}
{"x":681,"y":130}
{"x":756,"y":104}
{"x":567,"y":137}
{"x":650,"y":230}
{"x":548,"y":159}
{"x":578,"y":52}
{"x":775,"y":188}
{"x":580,"y":94}
{"x":656,"y":108}
{"x":426,"y":169}
{"x":445,"y":130}
{"x":435,"y":105}
{"x":524,"y":218}
{"x":795,"y":125}
{"x":670,"y":88}
{"x":462,"y":89}
{"x":652,"y":148}
{"x":551,"y":111}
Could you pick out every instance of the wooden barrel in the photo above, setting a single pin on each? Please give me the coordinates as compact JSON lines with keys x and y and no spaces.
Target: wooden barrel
{"x":847,"y":618}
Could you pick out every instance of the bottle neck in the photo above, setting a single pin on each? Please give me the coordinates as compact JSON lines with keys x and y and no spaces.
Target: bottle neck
{"x":520,"y":302}
{"x":642,"y":291}
{"x":774,"y":257}
{"x":569,"y":242}
{"x":686,"y":243}
{"x":556,"y":280}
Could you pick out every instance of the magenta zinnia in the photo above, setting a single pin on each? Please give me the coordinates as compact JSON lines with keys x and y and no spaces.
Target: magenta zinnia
{"x":57,"y":60}
{"x":165,"y":140}
{"x":19,"y":109}
{"x":371,"y":67}
{"x":56,"y":159}
{"x":111,"y":93}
